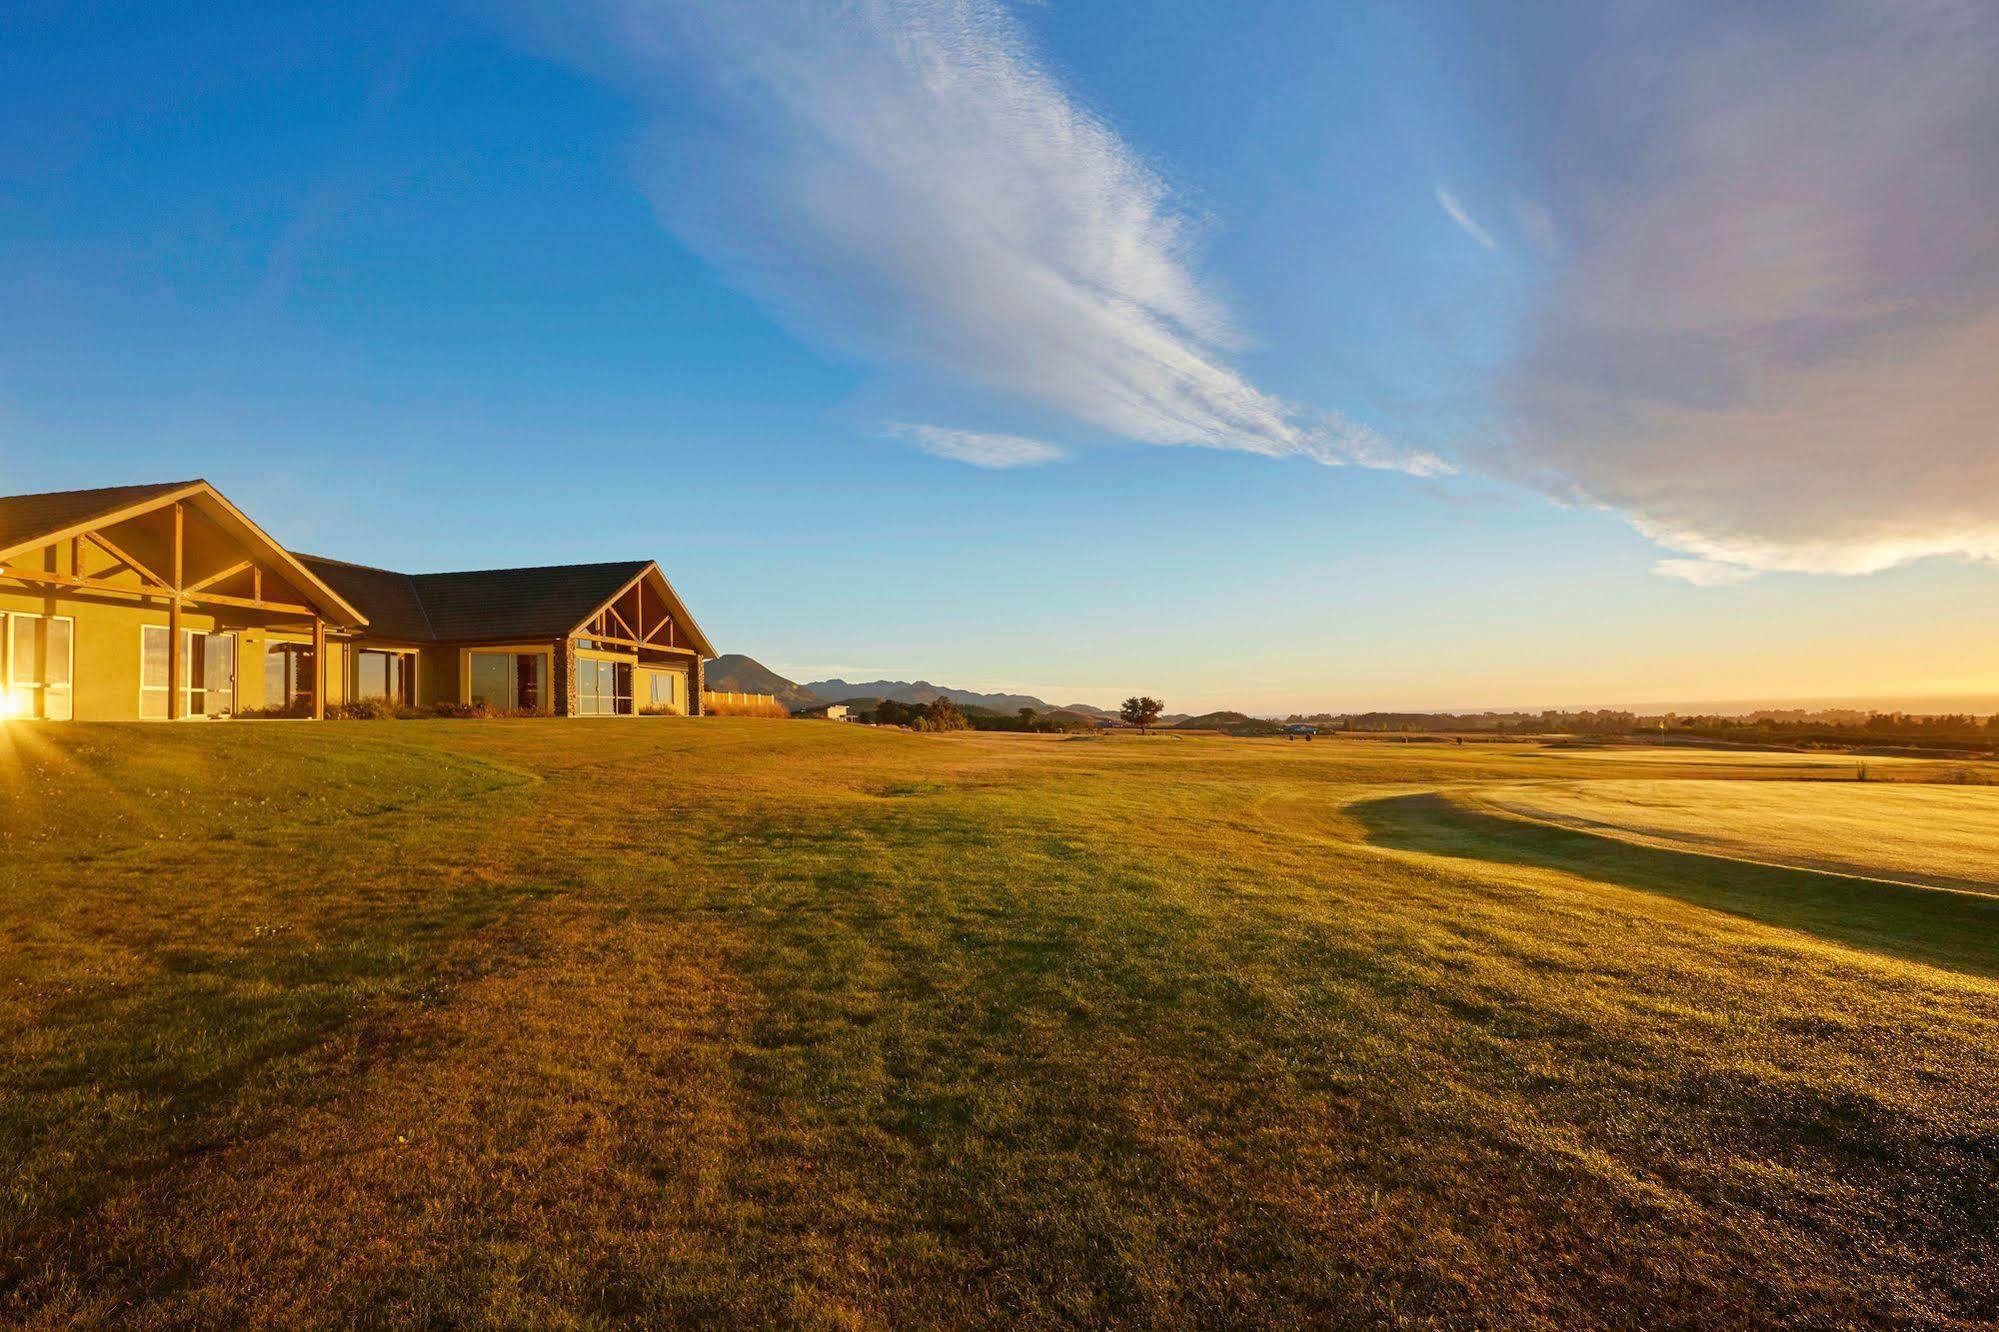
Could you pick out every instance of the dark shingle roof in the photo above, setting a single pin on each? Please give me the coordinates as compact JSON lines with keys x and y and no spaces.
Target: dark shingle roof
{"x":481,"y":604}
{"x":24,"y":517}
{"x":388,"y":599}
{"x":531,"y":603}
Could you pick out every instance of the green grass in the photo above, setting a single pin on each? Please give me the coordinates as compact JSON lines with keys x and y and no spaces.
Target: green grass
{"x":732,"y":1021}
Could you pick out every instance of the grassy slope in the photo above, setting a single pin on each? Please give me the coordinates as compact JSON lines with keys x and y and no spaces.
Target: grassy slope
{"x":1946,"y":836}
{"x":735,"y":1020}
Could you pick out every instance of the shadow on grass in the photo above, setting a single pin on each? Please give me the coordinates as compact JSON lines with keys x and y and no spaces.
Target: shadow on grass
{"x":1956,"y":931}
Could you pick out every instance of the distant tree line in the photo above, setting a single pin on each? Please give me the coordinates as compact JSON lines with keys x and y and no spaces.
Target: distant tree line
{"x":1835,"y":726}
{"x":942,"y":714}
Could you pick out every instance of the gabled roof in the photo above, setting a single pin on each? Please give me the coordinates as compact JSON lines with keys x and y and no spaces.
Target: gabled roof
{"x":50,"y":516}
{"x":30,"y":521}
{"x":547,"y":602}
{"x":490,"y":605}
{"x":387,"y":598}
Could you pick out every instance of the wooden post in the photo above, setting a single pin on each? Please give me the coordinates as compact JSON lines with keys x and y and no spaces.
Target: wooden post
{"x":318,"y":668}
{"x":176,"y":669}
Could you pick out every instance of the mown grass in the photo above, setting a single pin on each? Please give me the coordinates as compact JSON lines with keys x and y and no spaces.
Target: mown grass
{"x":728,"y":1022}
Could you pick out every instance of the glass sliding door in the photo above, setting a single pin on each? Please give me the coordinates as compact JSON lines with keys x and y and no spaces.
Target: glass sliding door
{"x":38,"y":656}
{"x":289,"y":678}
{"x":603,"y":688}
{"x":509,"y":681}
{"x":208,"y":664}
{"x":386,"y":675}
{"x":207,"y":672}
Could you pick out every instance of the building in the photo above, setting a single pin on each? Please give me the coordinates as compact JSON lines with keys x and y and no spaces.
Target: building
{"x":96,"y":584}
{"x":830,"y":711}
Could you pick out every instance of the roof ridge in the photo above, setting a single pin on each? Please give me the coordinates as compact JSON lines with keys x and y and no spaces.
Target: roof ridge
{"x":100,"y":490}
{"x":536,"y":568}
{"x":349,"y":564}
{"x":416,"y":594}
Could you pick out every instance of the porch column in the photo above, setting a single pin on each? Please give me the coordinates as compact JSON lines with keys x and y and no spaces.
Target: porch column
{"x":318,"y":668}
{"x":176,"y":671}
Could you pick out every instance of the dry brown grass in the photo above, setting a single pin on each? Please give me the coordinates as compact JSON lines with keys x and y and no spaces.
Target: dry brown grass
{"x":538,"y":1023}
{"x":742,"y":705}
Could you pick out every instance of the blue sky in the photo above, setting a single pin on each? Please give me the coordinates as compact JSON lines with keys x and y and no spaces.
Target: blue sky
{"x":1356,"y":355}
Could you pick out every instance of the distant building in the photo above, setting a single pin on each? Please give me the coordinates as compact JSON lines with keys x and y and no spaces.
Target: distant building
{"x":830,"y":711}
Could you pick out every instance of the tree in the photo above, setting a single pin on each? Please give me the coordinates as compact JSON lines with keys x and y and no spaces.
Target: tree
{"x":1028,"y":717}
{"x":889,"y":712}
{"x":943,"y":715}
{"x":1141,"y":711}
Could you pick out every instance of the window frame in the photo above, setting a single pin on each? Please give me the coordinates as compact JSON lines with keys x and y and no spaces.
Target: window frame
{"x":38,"y":692}
{"x":544,"y":673}
{"x":187,"y":688}
{"x":305,"y":669}
{"x":411,"y":655}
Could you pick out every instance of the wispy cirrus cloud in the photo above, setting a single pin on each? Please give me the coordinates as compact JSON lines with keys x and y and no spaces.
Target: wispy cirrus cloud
{"x":1456,"y":211}
{"x":1772,"y":340}
{"x":980,"y":449}
{"x":904,"y":181}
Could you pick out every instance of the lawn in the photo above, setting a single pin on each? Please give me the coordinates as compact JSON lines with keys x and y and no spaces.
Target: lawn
{"x":733,"y":1021}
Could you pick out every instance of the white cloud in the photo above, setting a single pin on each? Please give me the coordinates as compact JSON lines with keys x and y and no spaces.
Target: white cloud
{"x":980,"y":449}
{"x":1704,"y":573}
{"x":1466,"y":223}
{"x":904,"y":181}
{"x":1774,"y":340}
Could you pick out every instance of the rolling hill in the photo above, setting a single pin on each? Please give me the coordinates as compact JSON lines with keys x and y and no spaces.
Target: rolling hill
{"x":738,"y":674}
{"x":922,"y":691}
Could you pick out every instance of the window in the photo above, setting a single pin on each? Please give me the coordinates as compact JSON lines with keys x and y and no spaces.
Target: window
{"x":207,"y":672}
{"x":510,"y":681}
{"x":603,"y":688}
{"x":388,"y":675}
{"x":208,"y":664}
{"x":288,"y":677}
{"x":153,"y":649}
{"x":38,"y":658}
{"x":665,"y":686}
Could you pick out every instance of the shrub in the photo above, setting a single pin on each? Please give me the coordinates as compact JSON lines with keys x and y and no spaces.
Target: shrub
{"x":368,"y":709}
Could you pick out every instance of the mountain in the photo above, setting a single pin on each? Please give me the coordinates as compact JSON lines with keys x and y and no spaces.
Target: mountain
{"x":737,"y":674}
{"x":1231,"y":723}
{"x":922,"y":691}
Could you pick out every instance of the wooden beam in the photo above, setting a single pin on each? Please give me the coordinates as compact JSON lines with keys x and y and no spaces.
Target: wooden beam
{"x":180,"y":541}
{"x":76,"y":555}
{"x":257,"y":581}
{"x":110,"y":548}
{"x":612,"y":611}
{"x":215,"y":578}
{"x":159,"y":594}
{"x":111,"y":519}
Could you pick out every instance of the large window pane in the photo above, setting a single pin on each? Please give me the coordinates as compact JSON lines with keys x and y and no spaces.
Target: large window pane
{"x":209,"y":664}
{"x":373,"y":670}
{"x":492,"y":680}
{"x":387,"y":675}
{"x":288,"y":676}
{"x":621,"y":677}
{"x":153,"y":641}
